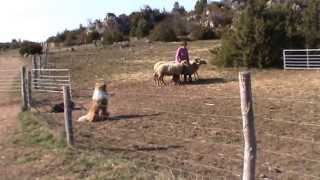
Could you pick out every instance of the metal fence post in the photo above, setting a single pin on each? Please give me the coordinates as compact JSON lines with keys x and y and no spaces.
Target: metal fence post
{"x":308,"y":64}
{"x":250,"y":146}
{"x":34,"y":72}
{"x":68,"y":115}
{"x":284,"y":60}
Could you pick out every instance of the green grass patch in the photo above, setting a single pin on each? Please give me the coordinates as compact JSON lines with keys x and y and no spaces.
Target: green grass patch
{"x":72,"y":162}
{"x":36,"y":134}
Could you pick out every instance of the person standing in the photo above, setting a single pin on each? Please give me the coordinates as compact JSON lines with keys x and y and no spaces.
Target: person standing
{"x":182,"y":56}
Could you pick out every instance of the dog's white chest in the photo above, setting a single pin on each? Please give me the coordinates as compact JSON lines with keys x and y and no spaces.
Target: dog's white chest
{"x":99,"y":95}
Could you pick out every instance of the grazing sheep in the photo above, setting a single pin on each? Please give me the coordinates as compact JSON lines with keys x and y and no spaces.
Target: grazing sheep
{"x":193,"y":68}
{"x":162,"y":69}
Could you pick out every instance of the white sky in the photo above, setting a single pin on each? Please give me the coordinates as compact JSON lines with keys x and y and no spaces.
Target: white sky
{"x":36,"y":20}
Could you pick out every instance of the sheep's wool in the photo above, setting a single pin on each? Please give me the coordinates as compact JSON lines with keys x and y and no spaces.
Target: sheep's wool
{"x":99,"y":95}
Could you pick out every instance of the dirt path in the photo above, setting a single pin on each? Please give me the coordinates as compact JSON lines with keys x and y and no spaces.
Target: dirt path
{"x":9,"y":109}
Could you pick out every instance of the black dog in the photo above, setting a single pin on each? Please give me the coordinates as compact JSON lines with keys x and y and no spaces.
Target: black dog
{"x":59,"y":108}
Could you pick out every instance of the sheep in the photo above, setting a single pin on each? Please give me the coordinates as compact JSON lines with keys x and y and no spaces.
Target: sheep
{"x":193,"y":68}
{"x":155,"y":69}
{"x":162,"y":69}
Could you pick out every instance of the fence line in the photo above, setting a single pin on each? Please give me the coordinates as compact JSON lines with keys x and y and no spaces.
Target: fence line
{"x":89,"y":91}
{"x":52,"y":91}
{"x":299,"y":174}
{"x":189,"y":152}
{"x":208,"y":166}
{"x":50,"y":83}
{"x":193,"y":163}
{"x":289,"y":155}
{"x":293,"y":139}
{"x":55,"y":70}
{"x":51,"y":76}
{"x":290,"y":122}
{"x":183,"y":139}
{"x":50,"y":80}
{"x":213,"y":167}
{"x":255,"y":98}
{"x":41,"y":77}
{"x":234,"y":131}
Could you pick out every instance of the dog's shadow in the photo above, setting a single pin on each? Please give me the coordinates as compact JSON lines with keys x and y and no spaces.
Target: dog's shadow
{"x":130,"y":116}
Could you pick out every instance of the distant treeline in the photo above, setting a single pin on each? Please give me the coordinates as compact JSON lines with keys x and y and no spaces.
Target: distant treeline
{"x":206,"y":21}
{"x":25,"y":47}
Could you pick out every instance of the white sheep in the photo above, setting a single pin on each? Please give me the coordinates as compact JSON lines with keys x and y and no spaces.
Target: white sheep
{"x":162,"y":69}
{"x":155,"y":69}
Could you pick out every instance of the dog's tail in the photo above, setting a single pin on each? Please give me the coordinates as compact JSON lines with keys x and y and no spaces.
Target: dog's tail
{"x":83,"y":118}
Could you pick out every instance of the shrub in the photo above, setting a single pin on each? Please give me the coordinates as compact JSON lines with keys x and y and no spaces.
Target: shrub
{"x":72,"y":38}
{"x":143,"y":28}
{"x":111,"y":36}
{"x":163,"y":32}
{"x":202,"y":33}
{"x":28,"y":47}
{"x":92,"y":36}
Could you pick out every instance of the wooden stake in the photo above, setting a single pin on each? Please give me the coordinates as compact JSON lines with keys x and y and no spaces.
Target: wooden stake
{"x":68,"y":115}
{"x":24,"y":106}
{"x":250,"y":147}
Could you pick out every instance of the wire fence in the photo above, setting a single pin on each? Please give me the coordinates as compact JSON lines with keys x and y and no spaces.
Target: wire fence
{"x":9,"y":81}
{"x":50,"y":80}
{"x":200,"y":139}
{"x":233,"y":132}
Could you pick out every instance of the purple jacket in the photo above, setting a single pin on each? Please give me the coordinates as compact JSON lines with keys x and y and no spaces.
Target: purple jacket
{"x":182,"y":55}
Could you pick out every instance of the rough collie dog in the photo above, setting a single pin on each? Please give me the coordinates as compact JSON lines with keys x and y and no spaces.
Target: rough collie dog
{"x":99,"y":106}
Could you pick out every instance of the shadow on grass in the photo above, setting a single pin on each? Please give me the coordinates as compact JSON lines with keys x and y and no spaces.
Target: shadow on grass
{"x":146,"y":148}
{"x":210,"y":81}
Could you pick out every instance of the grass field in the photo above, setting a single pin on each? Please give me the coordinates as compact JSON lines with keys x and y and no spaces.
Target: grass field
{"x":191,"y":131}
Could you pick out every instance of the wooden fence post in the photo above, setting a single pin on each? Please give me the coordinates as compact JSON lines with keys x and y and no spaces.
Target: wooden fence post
{"x":250,"y":147}
{"x":68,"y":115}
{"x":29,"y":89}
{"x":24,"y":89}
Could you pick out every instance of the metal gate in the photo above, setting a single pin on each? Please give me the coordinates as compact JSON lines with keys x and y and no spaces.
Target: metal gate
{"x":301,"y":58}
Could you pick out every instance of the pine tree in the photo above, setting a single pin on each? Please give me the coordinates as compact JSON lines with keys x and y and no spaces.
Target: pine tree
{"x":310,"y":24}
{"x":257,"y":39}
{"x":200,"y":7}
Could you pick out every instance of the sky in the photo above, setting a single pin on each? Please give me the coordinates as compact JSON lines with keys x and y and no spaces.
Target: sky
{"x":37,"y":20}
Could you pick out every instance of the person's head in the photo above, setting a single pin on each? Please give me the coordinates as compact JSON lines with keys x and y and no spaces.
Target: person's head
{"x":184,"y":44}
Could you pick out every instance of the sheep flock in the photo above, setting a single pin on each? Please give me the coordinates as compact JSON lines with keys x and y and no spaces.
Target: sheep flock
{"x":170,"y":68}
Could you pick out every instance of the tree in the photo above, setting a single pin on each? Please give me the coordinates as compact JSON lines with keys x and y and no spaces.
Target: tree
{"x":258,"y":39}
{"x":178,"y":9}
{"x":310,"y":24}
{"x":142,"y":29}
{"x":110,"y":36}
{"x":163,"y":32}
{"x":200,"y":7}
{"x":28,"y":47}
{"x":93,"y":36}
